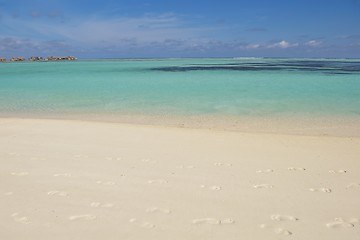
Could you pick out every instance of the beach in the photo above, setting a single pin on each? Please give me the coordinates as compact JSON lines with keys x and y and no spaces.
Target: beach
{"x":180,"y":149}
{"x":73,"y":179}
{"x":179,"y":120}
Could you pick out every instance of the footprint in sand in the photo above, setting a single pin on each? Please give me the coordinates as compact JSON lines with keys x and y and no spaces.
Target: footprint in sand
{"x":101,"y":205}
{"x":213,"y":188}
{"x":213,"y":221}
{"x":157,"y":181}
{"x":296,"y":169}
{"x":158,"y":210}
{"x":324,"y":190}
{"x":278,"y":217}
{"x":353,"y":185}
{"x":339,"y":225}
{"x":147,"y":225}
{"x":57,"y":193}
{"x":338,"y":171}
{"x":343,"y":223}
{"x":107,"y":183}
{"x":143,"y":224}
{"x":277,"y":230}
{"x":227,"y":221}
{"x":349,"y":220}
{"x":62,"y":175}
{"x":20,"y":219}
{"x":86,"y":217}
{"x":261,"y":186}
{"x":19,"y":174}
{"x":265,"y":171}
{"x":282,"y":231}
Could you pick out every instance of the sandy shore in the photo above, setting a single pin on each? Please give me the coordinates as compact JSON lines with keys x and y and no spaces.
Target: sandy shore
{"x":87,"y":180}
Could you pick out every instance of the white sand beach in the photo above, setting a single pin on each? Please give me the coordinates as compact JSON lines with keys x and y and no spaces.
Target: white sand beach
{"x":67,"y":179}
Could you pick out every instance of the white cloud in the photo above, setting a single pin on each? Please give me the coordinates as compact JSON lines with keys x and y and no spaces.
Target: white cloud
{"x":283,"y":44}
{"x":313,"y":43}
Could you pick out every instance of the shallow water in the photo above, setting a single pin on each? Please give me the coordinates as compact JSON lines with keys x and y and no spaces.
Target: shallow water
{"x":184,"y":87}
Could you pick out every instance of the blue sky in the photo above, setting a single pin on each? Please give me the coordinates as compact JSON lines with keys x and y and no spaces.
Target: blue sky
{"x":187,"y":28}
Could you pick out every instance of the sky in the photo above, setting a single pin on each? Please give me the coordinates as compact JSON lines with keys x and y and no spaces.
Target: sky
{"x":187,"y":28}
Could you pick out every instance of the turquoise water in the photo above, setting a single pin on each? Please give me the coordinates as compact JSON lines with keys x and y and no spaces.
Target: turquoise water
{"x":182,"y":87}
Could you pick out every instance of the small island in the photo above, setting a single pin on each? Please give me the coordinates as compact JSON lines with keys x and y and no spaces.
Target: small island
{"x":40,"y":59}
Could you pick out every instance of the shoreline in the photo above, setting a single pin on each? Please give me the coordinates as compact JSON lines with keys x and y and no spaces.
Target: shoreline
{"x":306,"y":126}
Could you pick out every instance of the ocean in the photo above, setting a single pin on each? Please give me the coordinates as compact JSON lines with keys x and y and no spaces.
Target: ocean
{"x":232,"y":88}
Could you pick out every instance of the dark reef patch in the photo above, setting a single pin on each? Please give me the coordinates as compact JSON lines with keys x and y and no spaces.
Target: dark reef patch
{"x":330,"y":67}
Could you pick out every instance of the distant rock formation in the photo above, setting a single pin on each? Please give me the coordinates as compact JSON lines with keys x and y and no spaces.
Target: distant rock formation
{"x":2,"y":59}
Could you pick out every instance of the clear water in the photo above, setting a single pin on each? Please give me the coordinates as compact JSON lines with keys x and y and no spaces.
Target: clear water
{"x":183,"y":87}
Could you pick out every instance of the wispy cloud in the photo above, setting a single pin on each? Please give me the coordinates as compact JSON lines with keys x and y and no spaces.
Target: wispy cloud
{"x":95,"y":31}
{"x":283,"y":44}
{"x":19,"y":46}
{"x":144,"y":29}
{"x":313,"y":43}
{"x":277,"y":45}
{"x":151,"y":34}
{"x":351,"y":37}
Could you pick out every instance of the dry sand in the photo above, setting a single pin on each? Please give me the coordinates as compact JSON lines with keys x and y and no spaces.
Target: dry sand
{"x":86,"y":180}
